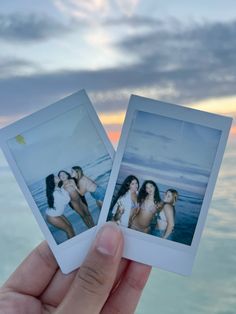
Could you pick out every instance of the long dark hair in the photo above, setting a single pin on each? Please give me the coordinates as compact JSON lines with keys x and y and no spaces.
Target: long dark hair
{"x":124,"y":188}
{"x":67,"y":173}
{"x":143,"y":193}
{"x":76,"y":182}
{"x":50,"y":187}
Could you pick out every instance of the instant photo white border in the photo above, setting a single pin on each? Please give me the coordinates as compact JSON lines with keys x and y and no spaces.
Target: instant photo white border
{"x":145,"y":248}
{"x":72,"y":252}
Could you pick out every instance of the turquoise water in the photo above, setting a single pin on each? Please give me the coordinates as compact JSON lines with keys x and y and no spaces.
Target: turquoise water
{"x":210,"y":290}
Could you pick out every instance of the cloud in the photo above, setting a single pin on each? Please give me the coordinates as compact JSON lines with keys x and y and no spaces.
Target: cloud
{"x":181,"y":64}
{"x":199,"y":59}
{"x":127,"y":7}
{"x":28,"y":93}
{"x":30,"y":28}
{"x":133,"y":21}
{"x":10,"y":66}
{"x":83,"y":9}
{"x":96,"y":10}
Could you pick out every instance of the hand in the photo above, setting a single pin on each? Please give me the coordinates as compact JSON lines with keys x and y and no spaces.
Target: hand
{"x":121,"y":210}
{"x":105,"y":283}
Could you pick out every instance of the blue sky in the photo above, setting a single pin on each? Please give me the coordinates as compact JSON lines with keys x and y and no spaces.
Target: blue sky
{"x":176,"y":51}
{"x":178,"y":153}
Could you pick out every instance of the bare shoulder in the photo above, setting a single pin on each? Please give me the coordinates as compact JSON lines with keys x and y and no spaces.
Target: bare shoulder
{"x":85,"y":178}
{"x":168,"y":208}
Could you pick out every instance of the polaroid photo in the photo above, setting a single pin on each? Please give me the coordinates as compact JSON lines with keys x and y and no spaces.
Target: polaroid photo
{"x":62,"y":159}
{"x":162,"y":181}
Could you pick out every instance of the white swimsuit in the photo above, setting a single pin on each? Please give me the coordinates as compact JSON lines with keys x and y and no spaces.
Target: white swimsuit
{"x":61,"y":199}
{"x":127,"y":204}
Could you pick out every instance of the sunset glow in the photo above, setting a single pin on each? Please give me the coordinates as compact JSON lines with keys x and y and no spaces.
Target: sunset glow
{"x":112,"y":118}
{"x":5,"y":120}
{"x":114,"y":136}
{"x":224,"y":106}
{"x":233,"y":130}
{"x":221,"y":105}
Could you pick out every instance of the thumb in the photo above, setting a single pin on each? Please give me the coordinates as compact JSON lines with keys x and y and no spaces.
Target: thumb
{"x":95,"y":278}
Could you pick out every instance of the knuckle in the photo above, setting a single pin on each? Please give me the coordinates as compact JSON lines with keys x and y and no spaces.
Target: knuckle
{"x":45,"y":255}
{"x":135,"y":283}
{"x":91,"y":279}
{"x":8,"y":302}
{"x":115,"y":310}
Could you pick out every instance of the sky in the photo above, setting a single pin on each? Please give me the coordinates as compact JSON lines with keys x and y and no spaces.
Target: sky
{"x":177,"y":153}
{"x":176,"y":51}
{"x":44,"y":149}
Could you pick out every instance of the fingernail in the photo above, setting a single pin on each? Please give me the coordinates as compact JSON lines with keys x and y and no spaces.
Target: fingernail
{"x":108,"y":239}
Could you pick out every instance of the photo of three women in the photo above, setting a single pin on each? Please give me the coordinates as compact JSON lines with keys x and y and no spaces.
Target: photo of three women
{"x":69,"y":189}
{"x":143,"y":210}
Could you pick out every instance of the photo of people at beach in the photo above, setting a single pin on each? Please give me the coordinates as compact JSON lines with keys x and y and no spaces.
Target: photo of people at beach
{"x":143,"y":210}
{"x":66,"y":172}
{"x":163,"y":176}
{"x":70,"y":189}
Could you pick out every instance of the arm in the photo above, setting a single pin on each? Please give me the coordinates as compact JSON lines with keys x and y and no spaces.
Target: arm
{"x":78,"y":190}
{"x":75,"y":186}
{"x":168,"y":210}
{"x":118,"y":210}
{"x":134,"y":214}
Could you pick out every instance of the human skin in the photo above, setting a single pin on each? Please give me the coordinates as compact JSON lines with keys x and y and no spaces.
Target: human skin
{"x":143,"y":215}
{"x":105,"y":283}
{"x":85,"y":185}
{"x":76,"y":202}
{"x":61,"y":222}
{"x":169,"y":213}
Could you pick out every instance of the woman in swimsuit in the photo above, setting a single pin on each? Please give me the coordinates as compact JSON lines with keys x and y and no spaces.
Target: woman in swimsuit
{"x":166,"y":219}
{"x":76,"y":203}
{"x":149,"y":203}
{"x":126,"y":201}
{"x":87,"y":185}
{"x":57,"y":199}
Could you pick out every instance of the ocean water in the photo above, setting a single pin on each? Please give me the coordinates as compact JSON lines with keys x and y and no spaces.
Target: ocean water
{"x":38,"y":191}
{"x":211,"y":289}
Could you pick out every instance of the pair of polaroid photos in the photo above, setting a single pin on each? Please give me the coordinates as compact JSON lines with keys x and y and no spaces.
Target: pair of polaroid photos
{"x":157,"y":187}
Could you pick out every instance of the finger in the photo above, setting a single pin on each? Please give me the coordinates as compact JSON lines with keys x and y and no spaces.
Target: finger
{"x":124,"y":263}
{"x":35,"y":272}
{"x":60,"y":284}
{"x":57,"y":289}
{"x":95,"y":278}
{"x":125,"y":298}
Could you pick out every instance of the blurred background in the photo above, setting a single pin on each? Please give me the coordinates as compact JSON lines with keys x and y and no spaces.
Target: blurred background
{"x":176,"y":51}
